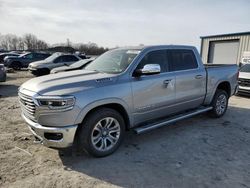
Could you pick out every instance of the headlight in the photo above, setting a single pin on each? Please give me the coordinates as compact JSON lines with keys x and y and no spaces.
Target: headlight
{"x":56,"y":102}
{"x":2,"y":68}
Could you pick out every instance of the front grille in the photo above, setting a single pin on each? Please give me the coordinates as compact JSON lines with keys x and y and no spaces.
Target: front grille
{"x":28,"y":106}
{"x":244,"y":82}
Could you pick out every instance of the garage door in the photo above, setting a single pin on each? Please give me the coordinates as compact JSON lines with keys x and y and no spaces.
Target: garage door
{"x":223,"y":52}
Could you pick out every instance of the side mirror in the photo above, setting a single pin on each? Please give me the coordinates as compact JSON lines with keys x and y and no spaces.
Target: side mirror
{"x":148,"y":69}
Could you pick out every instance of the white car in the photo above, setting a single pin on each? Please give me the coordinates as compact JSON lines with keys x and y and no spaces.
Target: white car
{"x":244,"y":79}
{"x":44,"y":67}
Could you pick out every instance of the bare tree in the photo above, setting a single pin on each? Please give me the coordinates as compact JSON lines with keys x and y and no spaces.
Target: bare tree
{"x":13,"y":41}
{"x":20,"y":44}
{"x":42,"y":45}
{"x":91,"y":48}
{"x":3,"y":42}
{"x":30,"y":41}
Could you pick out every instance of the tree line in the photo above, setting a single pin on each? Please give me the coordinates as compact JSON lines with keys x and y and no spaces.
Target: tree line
{"x":11,"y":42}
{"x":27,"y":42}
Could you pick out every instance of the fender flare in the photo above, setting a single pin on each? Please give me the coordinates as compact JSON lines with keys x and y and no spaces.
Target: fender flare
{"x":100,"y":103}
{"x":209,"y":98}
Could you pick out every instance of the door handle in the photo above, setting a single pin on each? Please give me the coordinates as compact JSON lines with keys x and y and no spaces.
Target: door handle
{"x":166,"y":82}
{"x":198,"y":76}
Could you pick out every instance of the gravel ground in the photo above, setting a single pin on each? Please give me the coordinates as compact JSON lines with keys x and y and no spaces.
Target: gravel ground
{"x":198,"y":152}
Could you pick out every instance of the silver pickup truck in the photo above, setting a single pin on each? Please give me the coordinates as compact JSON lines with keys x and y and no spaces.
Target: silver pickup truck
{"x":139,"y":88}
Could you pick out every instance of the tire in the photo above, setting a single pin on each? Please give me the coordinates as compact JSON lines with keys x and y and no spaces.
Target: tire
{"x":41,"y":72}
{"x":34,"y":72}
{"x":219,"y":104}
{"x":16,"y":65}
{"x":98,"y":130}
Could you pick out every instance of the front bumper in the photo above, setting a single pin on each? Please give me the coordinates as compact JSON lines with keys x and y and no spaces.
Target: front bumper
{"x":32,"y":69}
{"x":245,"y":90}
{"x":39,"y":131}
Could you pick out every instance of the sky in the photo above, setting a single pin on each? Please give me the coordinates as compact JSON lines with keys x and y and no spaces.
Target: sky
{"x":112,"y":23}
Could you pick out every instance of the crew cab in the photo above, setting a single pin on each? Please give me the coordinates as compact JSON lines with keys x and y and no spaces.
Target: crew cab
{"x":24,"y":60}
{"x":139,"y":88}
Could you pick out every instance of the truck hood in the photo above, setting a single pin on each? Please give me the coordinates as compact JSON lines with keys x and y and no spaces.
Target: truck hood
{"x":245,"y":75}
{"x":66,"y":83}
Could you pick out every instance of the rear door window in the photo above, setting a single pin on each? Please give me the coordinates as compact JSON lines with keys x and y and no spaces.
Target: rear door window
{"x":58,"y":59}
{"x":181,"y":59}
{"x":29,"y":56}
{"x":71,"y":58}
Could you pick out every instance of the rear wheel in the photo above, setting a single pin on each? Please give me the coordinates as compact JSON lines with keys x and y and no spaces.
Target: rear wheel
{"x":16,"y":65}
{"x":219,"y":103}
{"x":102,"y":132}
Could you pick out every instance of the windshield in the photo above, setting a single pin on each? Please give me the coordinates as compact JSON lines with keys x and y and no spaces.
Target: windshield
{"x":52,"y":57}
{"x":245,"y":68}
{"x":114,"y":61}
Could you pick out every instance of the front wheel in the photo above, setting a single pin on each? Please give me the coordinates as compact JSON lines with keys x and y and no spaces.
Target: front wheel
{"x":102,"y":132}
{"x":42,"y":72}
{"x":219,"y":103}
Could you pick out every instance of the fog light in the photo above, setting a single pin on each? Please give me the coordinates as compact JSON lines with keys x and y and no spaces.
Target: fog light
{"x":53,"y":136}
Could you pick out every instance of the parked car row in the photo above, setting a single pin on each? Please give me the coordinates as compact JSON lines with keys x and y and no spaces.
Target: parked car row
{"x":23,"y":61}
{"x":40,"y":63}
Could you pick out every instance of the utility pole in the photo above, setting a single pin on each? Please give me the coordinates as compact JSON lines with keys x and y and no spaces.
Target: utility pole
{"x":68,"y":42}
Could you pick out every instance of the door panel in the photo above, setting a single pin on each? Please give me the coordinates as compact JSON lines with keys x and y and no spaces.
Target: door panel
{"x":152,"y":96}
{"x":190,"y":78}
{"x":190,"y":88}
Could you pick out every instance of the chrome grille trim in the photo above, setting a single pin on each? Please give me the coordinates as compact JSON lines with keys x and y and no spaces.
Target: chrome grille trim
{"x":244,"y":82}
{"x":28,"y":106}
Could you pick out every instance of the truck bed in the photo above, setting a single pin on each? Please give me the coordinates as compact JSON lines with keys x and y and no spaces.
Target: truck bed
{"x":218,"y":73}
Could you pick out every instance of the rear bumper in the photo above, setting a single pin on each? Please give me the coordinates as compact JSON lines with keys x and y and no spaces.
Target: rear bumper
{"x":41,"y":133}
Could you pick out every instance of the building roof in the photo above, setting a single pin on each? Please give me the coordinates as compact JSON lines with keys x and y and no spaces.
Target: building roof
{"x":226,"y":35}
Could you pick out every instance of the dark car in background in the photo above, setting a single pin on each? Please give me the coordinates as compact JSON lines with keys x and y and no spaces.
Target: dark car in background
{"x":2,"y":73}
{"x":75,"y":66}
{"x":3,"y":55}
{"x":24,"y":60}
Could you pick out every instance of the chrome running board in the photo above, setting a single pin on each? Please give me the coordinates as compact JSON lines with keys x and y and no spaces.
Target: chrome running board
{"x":148,"y":127}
